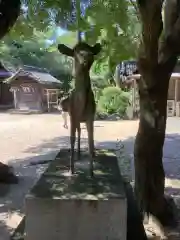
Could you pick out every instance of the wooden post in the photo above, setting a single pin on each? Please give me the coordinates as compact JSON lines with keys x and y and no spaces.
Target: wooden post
{"x":134,"y":95}
{"x":47,"y":93}
{"x":57,"y":100}
{"x":176,"y":95}
{"x":15,"y":98}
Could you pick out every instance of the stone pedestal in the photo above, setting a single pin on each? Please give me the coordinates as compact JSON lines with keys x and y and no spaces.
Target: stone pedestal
{"x":61,"y":207}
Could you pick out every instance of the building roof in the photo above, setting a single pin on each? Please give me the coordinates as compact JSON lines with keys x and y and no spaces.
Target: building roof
{"x":37,"y":74}
{"x":137,"y":76}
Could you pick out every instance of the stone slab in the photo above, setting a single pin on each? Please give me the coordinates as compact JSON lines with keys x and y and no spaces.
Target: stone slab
{"x":19,"y":232}
{"x":135,"y":228}
{"x":78,"y":207}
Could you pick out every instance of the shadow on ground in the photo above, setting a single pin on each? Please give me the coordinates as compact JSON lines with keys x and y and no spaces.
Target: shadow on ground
{"x":12,"y":197}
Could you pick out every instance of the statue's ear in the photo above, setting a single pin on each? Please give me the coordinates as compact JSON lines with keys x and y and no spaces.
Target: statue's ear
{"x":65,"y":50}
{"x":96,"y":48}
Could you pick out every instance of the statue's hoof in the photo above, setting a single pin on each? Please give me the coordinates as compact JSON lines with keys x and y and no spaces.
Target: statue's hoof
{"x":72,"y":172}
{"x":94,"y":154}
{"x":92,"y":173}
{"x":6,"y":175}
{"x":68,"y":174}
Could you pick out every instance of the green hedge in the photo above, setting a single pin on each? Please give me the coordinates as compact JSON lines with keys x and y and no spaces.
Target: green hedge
{"x":113,"y":100}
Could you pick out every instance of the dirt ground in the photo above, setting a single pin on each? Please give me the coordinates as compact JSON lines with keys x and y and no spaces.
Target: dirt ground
{"x":30,"y":138}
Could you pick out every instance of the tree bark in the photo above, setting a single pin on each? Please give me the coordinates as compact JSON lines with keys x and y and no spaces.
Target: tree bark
{"x":10,"y":10}
{"x":157,"y":59}
{"x":148,"y":148}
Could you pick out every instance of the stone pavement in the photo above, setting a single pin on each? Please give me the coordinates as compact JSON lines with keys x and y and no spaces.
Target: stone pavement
{"x":30,"y":138}
{"x":171,"y":157}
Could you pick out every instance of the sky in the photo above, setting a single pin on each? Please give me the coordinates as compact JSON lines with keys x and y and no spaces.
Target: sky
{"x":60,"y":31}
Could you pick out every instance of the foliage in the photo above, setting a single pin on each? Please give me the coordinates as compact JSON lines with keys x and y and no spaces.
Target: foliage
{"x":112,"y":23}
{"x":113,"y":100}
{"x":69,"y":38}
{"x":109,"y":22}
{"x":33,"y":51}
{"x":40,"y":14}
{"x":98,"y":84}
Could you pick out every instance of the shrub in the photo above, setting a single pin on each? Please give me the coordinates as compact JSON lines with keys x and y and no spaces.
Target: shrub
{"x":113,"y":100}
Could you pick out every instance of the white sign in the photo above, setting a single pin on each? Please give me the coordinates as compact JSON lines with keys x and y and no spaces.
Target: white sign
{"x":14,"y":89}
{"x":27,"y":88}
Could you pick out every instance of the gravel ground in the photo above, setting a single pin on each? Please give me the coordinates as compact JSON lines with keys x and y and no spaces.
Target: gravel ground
{"x":30,"y":138}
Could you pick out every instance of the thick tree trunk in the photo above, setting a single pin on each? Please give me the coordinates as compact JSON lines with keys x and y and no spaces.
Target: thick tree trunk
{"x":158,"y":54}
{"x":148,"y":149}
{"x":10,"y":10}
{"x":79,"y":38}
{"x":6,"y":174}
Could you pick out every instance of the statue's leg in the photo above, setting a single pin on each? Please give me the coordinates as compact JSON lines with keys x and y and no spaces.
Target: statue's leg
{"x":90,"y":130}
{"x":79,"y":141}
{"x":72,"y":142}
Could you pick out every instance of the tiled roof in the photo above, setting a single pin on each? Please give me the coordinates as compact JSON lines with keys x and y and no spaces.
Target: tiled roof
{"x":40,"y":75}
{"x":137,"y":76}
{"x":43,"y":77}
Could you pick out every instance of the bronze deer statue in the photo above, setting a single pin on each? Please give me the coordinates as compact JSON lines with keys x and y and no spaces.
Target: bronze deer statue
{"x":81,"y":103}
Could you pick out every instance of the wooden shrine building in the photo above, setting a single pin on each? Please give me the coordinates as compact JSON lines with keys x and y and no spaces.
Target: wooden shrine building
{"x":34,"y":89}
{"x":173,"y":101}
{"x":127,"y":75}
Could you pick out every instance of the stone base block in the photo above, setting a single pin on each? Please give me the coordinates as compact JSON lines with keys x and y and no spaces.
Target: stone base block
{"x":62,"y":207}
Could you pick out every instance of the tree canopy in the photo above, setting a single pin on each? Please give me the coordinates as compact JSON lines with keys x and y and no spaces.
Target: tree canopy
{"x":33,"y":51}
{"x":113,"y":23}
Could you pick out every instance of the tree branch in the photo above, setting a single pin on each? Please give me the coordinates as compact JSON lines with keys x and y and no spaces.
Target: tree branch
{"x":9,"y":12}
{"x":152,"y":26}
{"x":172,"y":25}
{"x":141,"y":3}
{"x":169,"y":48}
{"x":170,"y":15}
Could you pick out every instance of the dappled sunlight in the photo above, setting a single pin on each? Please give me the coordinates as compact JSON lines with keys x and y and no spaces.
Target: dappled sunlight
{"x":31,"y":160}
{"x":149,"y":118}
{"x":56,"y":184}
{"x":172,"y":183}
{"x":12,"y":197}
{"x":10,"y":218}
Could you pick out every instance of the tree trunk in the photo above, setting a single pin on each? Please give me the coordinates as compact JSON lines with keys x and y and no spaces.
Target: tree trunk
{"x":79,"y":38}
{"x":148,"y":149}
{"x":10,"y":10}
{"x":6,"y":174}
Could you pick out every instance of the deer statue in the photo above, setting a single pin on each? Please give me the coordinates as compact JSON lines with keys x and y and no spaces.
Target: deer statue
{"x":80,"y":104}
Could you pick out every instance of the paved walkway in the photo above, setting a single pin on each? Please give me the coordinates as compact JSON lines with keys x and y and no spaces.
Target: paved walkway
{"x":30,"y":138}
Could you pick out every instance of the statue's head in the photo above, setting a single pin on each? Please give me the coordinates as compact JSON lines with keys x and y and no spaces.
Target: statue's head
{"x":82,"y":53}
